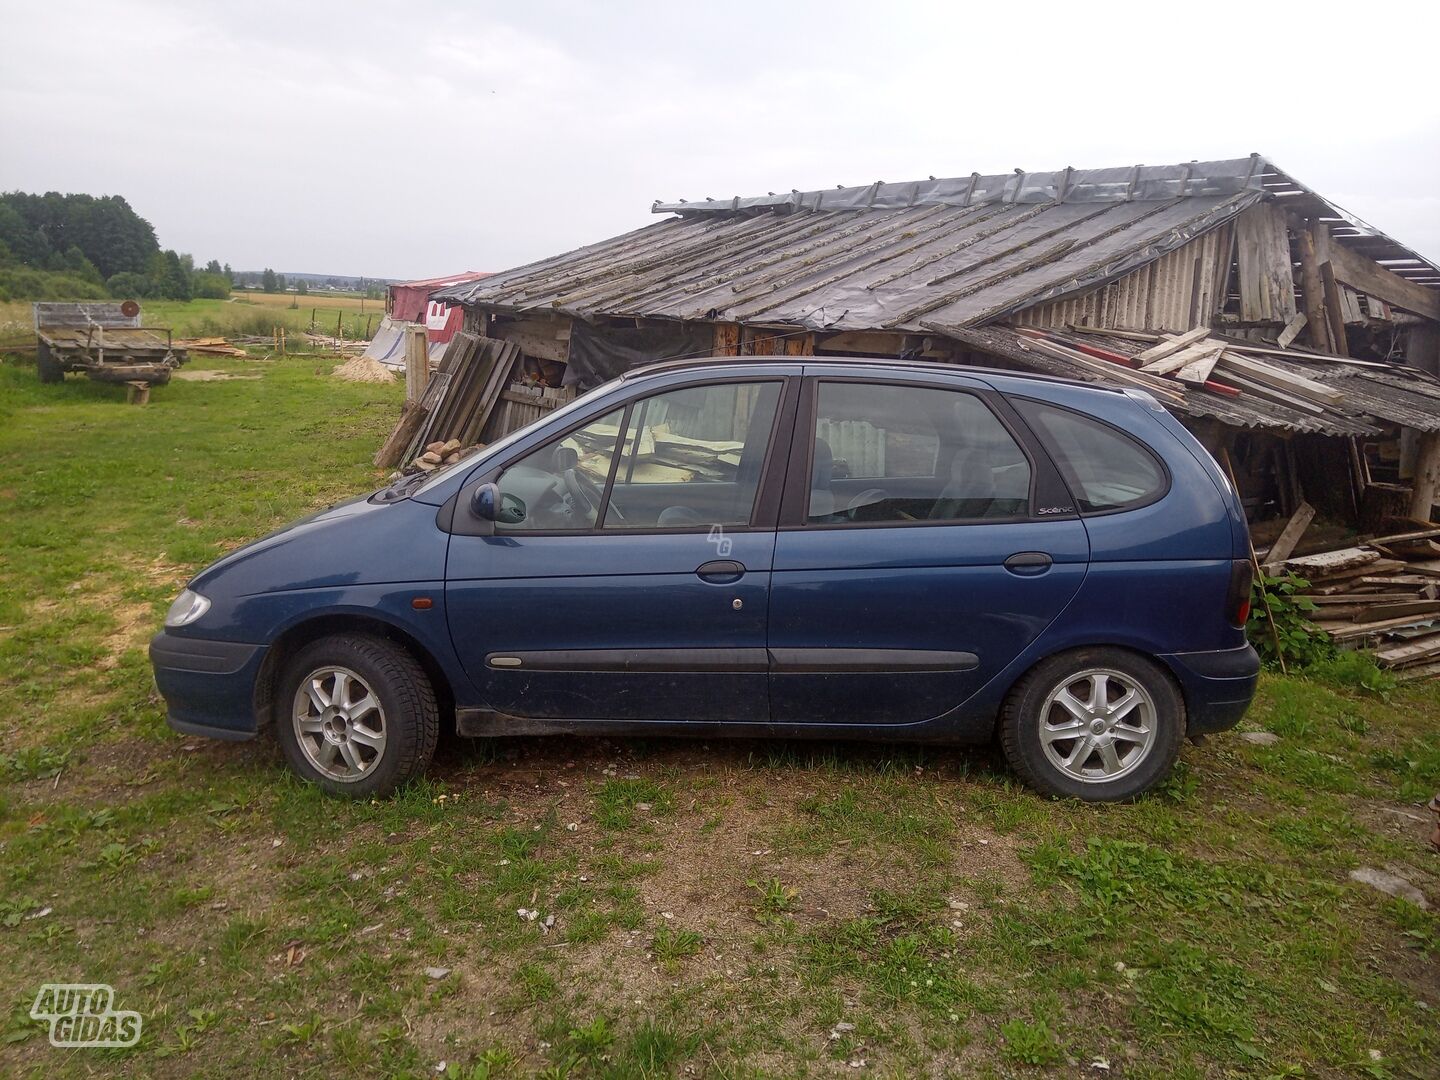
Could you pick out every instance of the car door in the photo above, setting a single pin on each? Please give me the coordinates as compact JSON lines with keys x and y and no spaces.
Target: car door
{"x":924,"y":543}
{"x":637,"y":583}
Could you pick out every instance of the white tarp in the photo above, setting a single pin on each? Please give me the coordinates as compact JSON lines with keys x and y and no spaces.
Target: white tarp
{"x":388,"y":344}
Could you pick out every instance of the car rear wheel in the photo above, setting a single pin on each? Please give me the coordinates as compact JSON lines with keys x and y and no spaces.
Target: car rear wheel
{"x":356,"y":715}
{"x":1102,"y":724}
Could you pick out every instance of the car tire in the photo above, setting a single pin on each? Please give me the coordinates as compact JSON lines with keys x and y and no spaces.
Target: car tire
{"x":356,"y":715}
{"x":46,"y":365}
{"x":1098,"y":724}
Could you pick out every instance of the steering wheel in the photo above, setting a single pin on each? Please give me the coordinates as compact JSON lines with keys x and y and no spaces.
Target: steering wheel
{"x":586,"y":492}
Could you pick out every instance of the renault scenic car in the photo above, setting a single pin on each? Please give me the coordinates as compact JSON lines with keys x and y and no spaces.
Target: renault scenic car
{"x":781,"y":547}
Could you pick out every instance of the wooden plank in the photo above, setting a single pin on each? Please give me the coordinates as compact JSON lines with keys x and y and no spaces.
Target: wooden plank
{"x":1292,"y":329}
{"x":1172,"y":345}
{"x":1365,"y":598}
{"x":1360,"y":630}
{"x":1329,"y":562}
{"x":1418,"y":671}
{"x":1420,"y":648}
{"x":1158,"y":387}
{"x":1281,"y":379}
{"x":1372,"y":279}
{"x":543,"y":338}
{"x":1262,"y":390}
{"x":1285,"y":543}
{"x":1184,"y":357}
{"x":1396,"y":580}
{"x":1197,"y":372}
{"x":1398,"y":609}
{"x":1267,"y":286}
{"x":392,"y":451}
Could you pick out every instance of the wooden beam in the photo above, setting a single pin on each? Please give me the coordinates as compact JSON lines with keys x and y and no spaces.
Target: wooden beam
{"x":1172,"y":345}
{"x":1372,"y":279}
{"x":417,"y":363}
{"x":1335,"y":301}
{"x":1312,"y":288}
{"x":1285,"y":543}
{"x":1427,"y":474}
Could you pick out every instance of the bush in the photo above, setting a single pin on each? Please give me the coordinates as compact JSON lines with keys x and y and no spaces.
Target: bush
{"x":22,"y":283}
{"x":1279,"y":625}
{"x":130,"y":286}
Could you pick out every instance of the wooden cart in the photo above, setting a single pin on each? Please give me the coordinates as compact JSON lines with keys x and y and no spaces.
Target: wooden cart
{"x":105,"y":341}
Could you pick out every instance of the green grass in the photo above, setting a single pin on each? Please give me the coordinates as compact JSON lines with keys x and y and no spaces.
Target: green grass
{"x":706,"y":909}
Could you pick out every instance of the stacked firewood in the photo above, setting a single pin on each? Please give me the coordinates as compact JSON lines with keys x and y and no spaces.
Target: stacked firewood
{"x":1383,"y":593}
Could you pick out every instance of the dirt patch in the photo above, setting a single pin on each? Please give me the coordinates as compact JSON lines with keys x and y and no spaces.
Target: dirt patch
{"x":211,"y":375}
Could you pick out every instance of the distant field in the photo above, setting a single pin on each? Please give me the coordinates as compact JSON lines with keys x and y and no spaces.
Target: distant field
{"x":243,"y":314}
{"x":331,"y":301}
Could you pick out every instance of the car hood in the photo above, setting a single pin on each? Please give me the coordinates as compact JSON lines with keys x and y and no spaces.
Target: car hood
{"x":357,"y":542}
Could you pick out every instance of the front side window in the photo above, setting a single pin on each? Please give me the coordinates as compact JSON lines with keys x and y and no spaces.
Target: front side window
{"x":884,"y":453}
{"x":692,"y":458}
{"x":687,"y":459}
{"x":560,"y":486}
{"x":1105,"y":468}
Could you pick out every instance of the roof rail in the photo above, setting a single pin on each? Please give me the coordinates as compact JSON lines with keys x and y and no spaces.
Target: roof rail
{"x":660,"y":366}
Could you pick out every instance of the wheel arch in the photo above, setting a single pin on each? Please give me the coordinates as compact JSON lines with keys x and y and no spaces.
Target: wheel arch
{"x":1155,"y":658}
{"x":303,"y":633}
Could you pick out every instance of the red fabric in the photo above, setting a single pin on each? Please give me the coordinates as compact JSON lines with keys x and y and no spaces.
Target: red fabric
{"x":408,"y":298}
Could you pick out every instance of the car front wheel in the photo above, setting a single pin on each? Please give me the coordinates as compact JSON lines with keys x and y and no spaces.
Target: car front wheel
{"x":1100,"y":724}
{"x":356,"y":715}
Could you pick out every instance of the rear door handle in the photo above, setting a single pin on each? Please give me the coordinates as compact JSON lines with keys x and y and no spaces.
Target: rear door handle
{"x":1028,"y":563}
{"x":721,"y":571}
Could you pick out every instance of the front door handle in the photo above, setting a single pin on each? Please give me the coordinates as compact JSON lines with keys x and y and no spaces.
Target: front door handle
{"x":721,"y":571}
{"x":1028,"y":563}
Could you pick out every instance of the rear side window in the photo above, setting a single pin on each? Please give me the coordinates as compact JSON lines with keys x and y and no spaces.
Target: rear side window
{"x":1105,"y":468}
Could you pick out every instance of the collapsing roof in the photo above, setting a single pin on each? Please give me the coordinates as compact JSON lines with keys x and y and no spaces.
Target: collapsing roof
{"x":928,"y":256}
{"x":1359,"y":391}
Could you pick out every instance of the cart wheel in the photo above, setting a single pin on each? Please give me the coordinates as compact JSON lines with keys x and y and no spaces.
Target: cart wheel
{"x":49,"y":369}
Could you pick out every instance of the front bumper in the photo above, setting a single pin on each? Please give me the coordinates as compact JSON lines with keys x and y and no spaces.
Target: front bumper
{"x":1218,"y":686}
{"x":208,"y":686}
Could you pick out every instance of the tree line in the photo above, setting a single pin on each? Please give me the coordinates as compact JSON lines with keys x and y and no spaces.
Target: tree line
{"x":89,"y":247}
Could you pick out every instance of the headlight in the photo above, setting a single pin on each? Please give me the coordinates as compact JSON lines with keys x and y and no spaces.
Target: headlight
{"x":188,"y":607}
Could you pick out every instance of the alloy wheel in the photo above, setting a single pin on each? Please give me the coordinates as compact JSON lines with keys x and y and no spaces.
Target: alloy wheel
{"x":339,"y":723}
{"x":1097,"y":725}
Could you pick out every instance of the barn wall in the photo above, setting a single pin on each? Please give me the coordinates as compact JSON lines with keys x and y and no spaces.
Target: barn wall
{"x":1175,"y":292}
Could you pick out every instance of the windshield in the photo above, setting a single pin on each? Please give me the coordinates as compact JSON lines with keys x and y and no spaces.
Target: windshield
{"x":440,"y":475}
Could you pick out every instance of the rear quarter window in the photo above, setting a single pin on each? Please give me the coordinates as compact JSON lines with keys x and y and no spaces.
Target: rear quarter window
{"x":1105,"y":468}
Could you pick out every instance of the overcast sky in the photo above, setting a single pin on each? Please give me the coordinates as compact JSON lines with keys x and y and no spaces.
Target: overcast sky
{"x":415,"y":139}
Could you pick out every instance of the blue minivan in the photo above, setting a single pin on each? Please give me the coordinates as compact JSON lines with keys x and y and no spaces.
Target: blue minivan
{"x":760,"y":546}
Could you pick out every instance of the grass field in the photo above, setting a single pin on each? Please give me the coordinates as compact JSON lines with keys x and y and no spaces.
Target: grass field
{"x":719,"y":909}
{"x":244,"y":313}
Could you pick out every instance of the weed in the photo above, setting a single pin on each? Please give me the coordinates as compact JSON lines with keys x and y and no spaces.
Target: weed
{"x":670,"y":945}
{"x":1030,"y":1043}
{"x":776,"y":898}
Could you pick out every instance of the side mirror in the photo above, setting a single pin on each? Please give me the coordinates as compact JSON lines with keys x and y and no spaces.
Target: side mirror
{"x":489,"y":505}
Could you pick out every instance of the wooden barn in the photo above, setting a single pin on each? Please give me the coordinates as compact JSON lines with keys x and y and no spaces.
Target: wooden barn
{"x":1281,"y":329}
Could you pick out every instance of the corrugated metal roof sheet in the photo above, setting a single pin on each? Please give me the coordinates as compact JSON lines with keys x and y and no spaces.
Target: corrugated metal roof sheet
{"x":1374,"y":393}
{"x":897,"y":269}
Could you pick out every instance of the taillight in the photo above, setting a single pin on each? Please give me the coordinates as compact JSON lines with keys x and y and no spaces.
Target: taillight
{"x":1237,"y":597}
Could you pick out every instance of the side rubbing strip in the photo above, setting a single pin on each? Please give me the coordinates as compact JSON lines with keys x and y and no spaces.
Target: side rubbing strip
{"x":634,"y":660}
{"x":840,"y":661}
